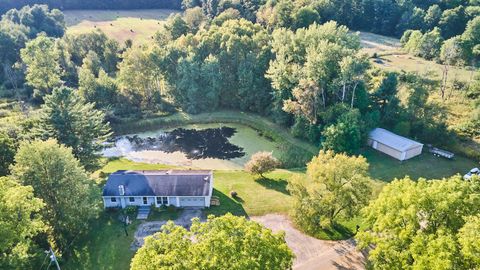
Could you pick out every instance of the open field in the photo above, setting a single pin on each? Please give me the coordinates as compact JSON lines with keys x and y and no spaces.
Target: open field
{"x":137,"y":25}
{"x":392,"y":57}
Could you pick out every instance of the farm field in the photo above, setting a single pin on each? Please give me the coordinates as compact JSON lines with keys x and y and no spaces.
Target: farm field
{"x":137,"y":25}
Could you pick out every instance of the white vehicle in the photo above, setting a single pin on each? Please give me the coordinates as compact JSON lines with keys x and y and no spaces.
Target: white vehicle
{"x":472,"y":172}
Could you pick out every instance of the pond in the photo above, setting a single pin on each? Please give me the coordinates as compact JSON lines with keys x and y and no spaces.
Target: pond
{"x":204,"y":146}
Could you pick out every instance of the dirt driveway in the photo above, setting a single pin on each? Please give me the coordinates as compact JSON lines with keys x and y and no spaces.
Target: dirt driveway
{"x":311,"y":253}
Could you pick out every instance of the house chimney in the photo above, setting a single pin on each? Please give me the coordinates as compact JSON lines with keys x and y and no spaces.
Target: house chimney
{"x":121,"y":190}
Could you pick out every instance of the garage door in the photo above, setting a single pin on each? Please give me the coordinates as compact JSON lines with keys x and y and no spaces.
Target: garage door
{"x":192,"y":201}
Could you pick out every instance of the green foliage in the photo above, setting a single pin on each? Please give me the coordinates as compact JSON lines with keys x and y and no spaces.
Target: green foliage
{"x":417,"y":224}
{"x":261,"y":163}
{"x":223,"y":67}
{"x":70,"y":197}
{"x":20,"y":224}
{"x":238,"y":244}
{"x":345,"y":136}
{"x":43,"y":68}
{"x":143,"y":89}
{"x":37,"y":19}
{"x":74,"y":123}
{"x":8,"y":148}
{"x":470,"y":248}
{"x":336,"y":186}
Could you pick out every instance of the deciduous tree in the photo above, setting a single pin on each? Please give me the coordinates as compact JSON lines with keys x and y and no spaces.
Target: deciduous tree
{"x":238,"y":243}
{"x":261,"y":163}
{"x":20,"y":223}
{"x":335,"y":185}
{"x":70,"y":197}
{"x":416,"y":224}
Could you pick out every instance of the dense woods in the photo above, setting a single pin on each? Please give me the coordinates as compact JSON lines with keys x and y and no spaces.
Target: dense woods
{"x":296,"y":63}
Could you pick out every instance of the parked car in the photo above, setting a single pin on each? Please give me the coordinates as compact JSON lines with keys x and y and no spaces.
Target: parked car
{"x":472,"y":172}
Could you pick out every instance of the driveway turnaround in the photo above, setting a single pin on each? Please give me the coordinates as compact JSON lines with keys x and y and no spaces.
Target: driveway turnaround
{"x":312,"y":253}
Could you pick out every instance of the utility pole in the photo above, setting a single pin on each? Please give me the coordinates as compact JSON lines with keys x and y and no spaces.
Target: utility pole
{"x":53,"y":258}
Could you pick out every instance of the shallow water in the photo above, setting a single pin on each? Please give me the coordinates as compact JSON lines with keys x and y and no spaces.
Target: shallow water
{"x":205,"y":146}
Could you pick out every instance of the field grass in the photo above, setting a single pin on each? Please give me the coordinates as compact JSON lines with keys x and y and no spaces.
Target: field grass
{"x":137,"y":25}
{"x":392,"y":58}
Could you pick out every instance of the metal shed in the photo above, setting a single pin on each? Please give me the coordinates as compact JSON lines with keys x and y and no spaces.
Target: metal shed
{"x":394,"y":145}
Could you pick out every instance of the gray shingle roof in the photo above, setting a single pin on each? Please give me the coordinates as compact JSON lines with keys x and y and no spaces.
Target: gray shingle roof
{"x":159,"y":183}
{"x":393,"y":140}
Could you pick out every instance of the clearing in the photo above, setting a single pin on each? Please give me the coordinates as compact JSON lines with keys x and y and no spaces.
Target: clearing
{"x":391,"y":57}
{"x":137,"y":25}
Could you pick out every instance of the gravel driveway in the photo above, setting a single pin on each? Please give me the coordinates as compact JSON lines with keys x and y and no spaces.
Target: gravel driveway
{"x":312,"y":253}
{"x":150,"y":227}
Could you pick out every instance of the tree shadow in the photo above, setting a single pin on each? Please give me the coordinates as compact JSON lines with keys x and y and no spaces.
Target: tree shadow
{"x":227,"y":205}
{"x":338,"y":232}
{"x":279,"y":185}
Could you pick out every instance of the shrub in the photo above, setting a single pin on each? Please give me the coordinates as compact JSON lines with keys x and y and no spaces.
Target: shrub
{"x":261,"y":162}
{"x":130,"y":210}
{"x":233,"y":194}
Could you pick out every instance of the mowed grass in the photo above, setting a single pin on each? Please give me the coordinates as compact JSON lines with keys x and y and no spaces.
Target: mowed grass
{"x":386,"y":168}
{"x":137,"y":25}
{"x":106,"y":246}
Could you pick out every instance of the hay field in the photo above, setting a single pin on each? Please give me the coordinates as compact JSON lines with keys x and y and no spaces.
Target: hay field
{"x":137,"y":25}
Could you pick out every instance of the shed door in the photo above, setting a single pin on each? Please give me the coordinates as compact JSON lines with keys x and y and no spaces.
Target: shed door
{"x":192,"y":201}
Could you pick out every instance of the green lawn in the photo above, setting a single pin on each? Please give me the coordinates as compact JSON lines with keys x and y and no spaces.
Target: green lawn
{"x":105,"y":247}
{"x":386,"y":168}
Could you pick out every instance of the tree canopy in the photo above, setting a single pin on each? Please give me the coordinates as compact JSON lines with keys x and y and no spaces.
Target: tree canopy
{"x":226,"y":242}
{"x":74,"y":123}
{"x":336,"y":185}
{"x":69,"y":195}
{"x":422,"y":225}
{"x":20,"y":224}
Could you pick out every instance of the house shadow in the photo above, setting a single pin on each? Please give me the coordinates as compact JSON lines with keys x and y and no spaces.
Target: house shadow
{"x":227,"y":205}
{"x":279,"y":185}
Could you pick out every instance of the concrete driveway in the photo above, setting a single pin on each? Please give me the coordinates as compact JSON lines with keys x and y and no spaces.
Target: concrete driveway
{"x":150,"y":227}
{"x":312,"y":253}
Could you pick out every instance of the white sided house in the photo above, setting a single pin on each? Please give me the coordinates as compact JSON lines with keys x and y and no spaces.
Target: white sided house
{"x":181,"y":188}
{"x":394,"y":145}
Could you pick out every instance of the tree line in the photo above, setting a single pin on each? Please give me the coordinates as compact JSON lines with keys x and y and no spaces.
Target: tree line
{"x":6,"y":5}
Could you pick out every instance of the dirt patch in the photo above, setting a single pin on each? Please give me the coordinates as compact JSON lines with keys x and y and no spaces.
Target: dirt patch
{"x":312,"y":253}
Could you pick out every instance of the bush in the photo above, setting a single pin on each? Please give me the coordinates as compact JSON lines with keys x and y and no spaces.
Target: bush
{"x":261,"y":162}
{"x":233,"y":194}
{"x":130,"y":210}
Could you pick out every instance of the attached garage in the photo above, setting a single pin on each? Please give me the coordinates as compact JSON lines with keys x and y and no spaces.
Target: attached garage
{"x":192,"y":201}
{"x":394,"y":145}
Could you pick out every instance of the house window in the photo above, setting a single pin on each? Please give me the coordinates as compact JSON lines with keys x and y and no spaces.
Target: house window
{"x":131,"y":199}
{"x":145,"y":200}
{"x":113,"y":199}
{"x":162,"y":200}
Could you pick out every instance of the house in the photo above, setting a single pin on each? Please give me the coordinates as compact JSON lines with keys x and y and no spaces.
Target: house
{"x":181,"y":188}
{"x":394,"y":145}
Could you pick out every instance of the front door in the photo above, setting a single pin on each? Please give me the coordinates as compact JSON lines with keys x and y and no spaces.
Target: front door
{"x":145,"y":201}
